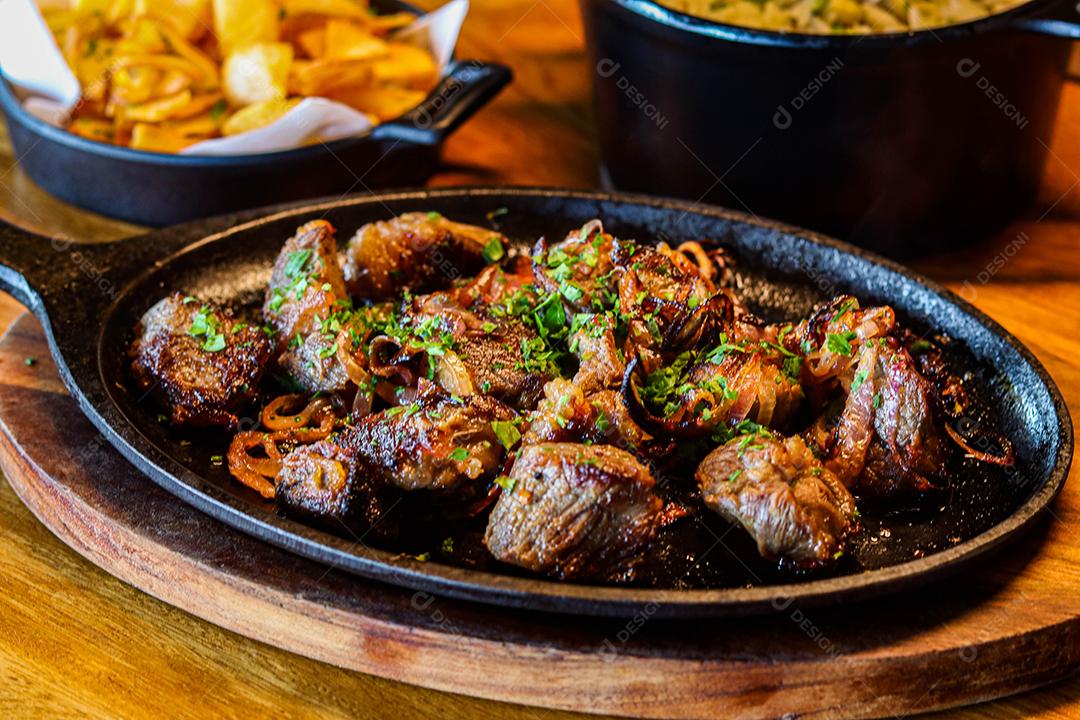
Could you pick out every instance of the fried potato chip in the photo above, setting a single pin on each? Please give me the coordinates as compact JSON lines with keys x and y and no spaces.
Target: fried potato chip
{"x":165,"y":62}
{"x":201,"y":126}
{"x":312,"y":42}
{"x":94,"y":65}
{"x":172,"y":82}
{"x":239,"y":23}
{"x":256,"y":116}
{"x":134,"y":85}
{"x":407,"y":65}
{"x":157,"y":110}
{"x":315,"y":78}
{"x":190,"y":19}
{"x":159,"y":138}
{"x":141,"y":36}
{"x":180,"y":46}
{"x":93,"y":129}
{"x":347,"y":41}
{"x":213,"y":103}
{"x":257,"y":73}
{"x":91,"y":7}
{"x":385,"y":102}
{"x":329,"y":8}
{"x":383,"y":24}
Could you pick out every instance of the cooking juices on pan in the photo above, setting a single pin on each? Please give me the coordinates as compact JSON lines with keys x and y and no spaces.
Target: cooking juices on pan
{"x":592,"y":409}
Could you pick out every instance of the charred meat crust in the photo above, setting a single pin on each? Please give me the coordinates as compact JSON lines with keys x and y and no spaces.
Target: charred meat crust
{"x":576,"y":512}
{"x":204,"y":365}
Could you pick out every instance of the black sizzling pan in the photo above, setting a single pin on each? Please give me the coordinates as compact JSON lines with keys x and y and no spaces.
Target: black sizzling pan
{"x":88,"y":298}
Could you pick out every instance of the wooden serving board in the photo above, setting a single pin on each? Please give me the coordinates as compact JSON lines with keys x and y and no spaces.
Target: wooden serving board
{"x":1011,"y":624}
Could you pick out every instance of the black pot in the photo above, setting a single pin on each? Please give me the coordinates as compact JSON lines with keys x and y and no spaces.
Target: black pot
{"x":896,"y":142}
{"x":163,"y":189}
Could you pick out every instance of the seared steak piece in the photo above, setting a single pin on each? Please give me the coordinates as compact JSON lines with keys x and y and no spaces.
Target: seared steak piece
{"x":329,"y":485}
{"x":436,"y":443}
{"x":701,"y":393}
{"x":197,"y":359}
{"x":796,"y":509}
{"x":575,"y":512}
{"x":600,"y":362}
{"x":578,"y":268}
{"x":886,"y":444}
{"x":306,"y":283}
{"x":566,"y":414}
{"x":465,"y":352}
{"x":830,"y":340}
{"x":306,"y":304}
{"x":414,"y":251}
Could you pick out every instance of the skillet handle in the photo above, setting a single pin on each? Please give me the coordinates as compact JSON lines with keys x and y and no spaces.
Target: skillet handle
{"x":1060,"y":19}
{"x":26,"y":262}
{"x":465,"y":88}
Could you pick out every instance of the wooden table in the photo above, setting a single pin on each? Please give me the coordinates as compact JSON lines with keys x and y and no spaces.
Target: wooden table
{"x":76,"y":641}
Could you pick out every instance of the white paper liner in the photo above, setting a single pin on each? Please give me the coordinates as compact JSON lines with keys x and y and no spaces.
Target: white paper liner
{"x":33,"y":63}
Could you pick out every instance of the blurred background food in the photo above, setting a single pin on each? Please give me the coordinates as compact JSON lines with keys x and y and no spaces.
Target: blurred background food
{"x":160,"y":75}
{"x":842,"y":16}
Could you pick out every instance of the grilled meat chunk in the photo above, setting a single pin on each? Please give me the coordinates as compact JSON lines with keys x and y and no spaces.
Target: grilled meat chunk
{"x":600,"y":362}
{"x":306,"y":304}
{"x":330,"y":485}
{"x":567,"y":414}
{"x":305,"y":284}
{"x":436,"y":443}
{"x":700,"y":392}
{"x":796,"y":509}
{"x":657,"y":287}
{"x":465,"y":352}
{"x":579,"y":269}
{"x":830,"y":340}
{"x":576,"y":512}
{"x":198,"y":360}
{"x":416,"y":251}
{"x":886,"y":444}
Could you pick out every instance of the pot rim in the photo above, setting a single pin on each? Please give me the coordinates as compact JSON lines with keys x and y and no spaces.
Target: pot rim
{"x":653,"y":11}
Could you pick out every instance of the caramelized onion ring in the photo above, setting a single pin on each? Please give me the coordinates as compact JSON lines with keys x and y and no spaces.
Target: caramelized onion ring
{"x":294,"y":428}
{"x":1006,"y":459}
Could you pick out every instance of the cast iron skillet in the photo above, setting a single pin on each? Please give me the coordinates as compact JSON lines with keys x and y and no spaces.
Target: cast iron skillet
{"x":88,"y":298}
{"x":163,"y":189}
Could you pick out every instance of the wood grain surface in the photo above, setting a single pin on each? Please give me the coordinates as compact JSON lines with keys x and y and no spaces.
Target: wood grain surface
{"x":75,"y":641}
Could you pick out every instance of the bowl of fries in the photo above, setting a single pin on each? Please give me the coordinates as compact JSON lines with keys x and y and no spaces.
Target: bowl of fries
{"x":189,"y":108}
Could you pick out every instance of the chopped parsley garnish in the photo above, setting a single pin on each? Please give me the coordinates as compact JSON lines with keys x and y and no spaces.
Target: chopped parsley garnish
{"x":218,"y":109}
{"x":847,"y":306}
{"x":506,"y":432}
{"x":206,"y":325}
{"x":493,"y":250}
{"x":840,"y":343}
{"x":459,"y":454}
{"x":506,"y":483}
{"x":295,"y":263}
{"x":860,"y":378}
